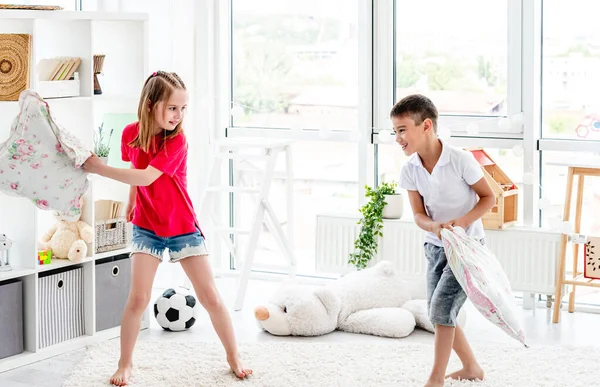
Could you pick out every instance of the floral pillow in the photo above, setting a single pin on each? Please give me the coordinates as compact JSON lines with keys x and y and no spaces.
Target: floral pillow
{"x":42,"y":161}
{"x":482,"y":278}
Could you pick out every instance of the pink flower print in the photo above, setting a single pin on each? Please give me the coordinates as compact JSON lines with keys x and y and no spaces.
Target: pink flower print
{"x":25,"y":149}
{"x":14,"y":186}
{"x":20,"y":141}
{"x":43,"y":204}
{"x":12,"y":166}
{"x":59,"y":148}
{"x":44,"y":156}
{"x":15,"y":157}
{"x":45,"y":176}
{"x":477,"y":297}
{"x":36,"y":165}
{"x":1,"y":171}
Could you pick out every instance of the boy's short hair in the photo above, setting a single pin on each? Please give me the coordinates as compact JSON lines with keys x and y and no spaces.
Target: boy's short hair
{"x":418,"y":107}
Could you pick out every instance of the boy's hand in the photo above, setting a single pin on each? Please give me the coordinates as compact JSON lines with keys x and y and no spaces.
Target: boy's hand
{"x":437,"y":228}
{"x":460,"y":222}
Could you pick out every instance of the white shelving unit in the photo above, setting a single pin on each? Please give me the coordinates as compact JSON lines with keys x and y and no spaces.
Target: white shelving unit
{"x":122,"y":37}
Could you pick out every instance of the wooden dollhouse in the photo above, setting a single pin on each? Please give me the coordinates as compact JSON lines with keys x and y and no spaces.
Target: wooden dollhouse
{"x":505,"y":212}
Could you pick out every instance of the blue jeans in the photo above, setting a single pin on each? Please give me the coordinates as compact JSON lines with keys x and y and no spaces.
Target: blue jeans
{"x":445,"y":296}
{"x":180,"y":246}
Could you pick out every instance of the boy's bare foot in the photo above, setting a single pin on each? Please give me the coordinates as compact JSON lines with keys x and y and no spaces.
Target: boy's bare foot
{"x":471,"y":373}
{"x":121,"y":377}
{"x":434,"y":383}
{"x":238,"y":369}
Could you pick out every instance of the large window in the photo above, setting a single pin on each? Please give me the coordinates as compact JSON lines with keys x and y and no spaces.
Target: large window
{"x":571,"y":70}
{"x":295,"y":64}
{"x":461,"y":61}
{"x":325,"y":180}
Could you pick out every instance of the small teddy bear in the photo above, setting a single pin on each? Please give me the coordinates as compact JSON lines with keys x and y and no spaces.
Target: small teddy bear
{"x":68,"y":238}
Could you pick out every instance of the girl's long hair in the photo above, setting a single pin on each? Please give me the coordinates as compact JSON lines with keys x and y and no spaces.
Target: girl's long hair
{"x":158,"y":88}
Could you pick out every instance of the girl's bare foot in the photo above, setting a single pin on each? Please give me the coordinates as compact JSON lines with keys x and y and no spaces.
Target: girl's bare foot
{"x":470,"y":373}
{"x":238,"y":369}
{"x":121,"y":377}
{"x":434,"y":383}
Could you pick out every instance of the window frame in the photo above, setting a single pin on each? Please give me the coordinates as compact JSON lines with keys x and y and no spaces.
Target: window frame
{"x":377,"y":47}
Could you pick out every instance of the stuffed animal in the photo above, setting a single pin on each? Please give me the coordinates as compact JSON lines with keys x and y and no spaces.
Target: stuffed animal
{"x":68,"y":238}
{"x":372,"y":301}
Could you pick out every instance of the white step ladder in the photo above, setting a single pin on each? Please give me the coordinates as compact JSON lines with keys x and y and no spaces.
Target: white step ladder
{"x":264,"y":151}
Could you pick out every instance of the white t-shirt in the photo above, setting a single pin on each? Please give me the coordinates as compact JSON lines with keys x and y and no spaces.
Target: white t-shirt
{"x":446,"y":192}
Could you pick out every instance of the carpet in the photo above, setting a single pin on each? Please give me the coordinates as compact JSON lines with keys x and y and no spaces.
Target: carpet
{"x":289,"y":364}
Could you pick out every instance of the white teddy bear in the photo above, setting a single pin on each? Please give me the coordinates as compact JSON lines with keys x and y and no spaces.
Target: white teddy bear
{"x":68,"y":238}
{"x":372,"y":301}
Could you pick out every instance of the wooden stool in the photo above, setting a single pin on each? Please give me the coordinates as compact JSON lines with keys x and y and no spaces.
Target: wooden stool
{"x":580,"y":170}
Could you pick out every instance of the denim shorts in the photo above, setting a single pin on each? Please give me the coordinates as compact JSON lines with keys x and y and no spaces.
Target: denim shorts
{"x":180,"y":246}
{"x":445,"y":296}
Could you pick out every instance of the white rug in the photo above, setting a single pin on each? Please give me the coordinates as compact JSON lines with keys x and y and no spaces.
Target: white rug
{"x":289,"y":364}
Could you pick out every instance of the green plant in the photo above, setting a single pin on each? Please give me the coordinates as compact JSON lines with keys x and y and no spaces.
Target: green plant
{"x":102,"y":149}
{"x":365,"y":246}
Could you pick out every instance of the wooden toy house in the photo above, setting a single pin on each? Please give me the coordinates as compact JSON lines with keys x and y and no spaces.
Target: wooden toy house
{"x":505,"y":212}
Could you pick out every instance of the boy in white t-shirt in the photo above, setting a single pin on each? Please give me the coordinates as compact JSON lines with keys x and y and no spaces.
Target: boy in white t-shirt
{"x":443,"y":184}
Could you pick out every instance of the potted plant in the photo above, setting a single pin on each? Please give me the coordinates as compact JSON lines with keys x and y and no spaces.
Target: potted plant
{"x":101,"y":148}
{"x":365,"y":246}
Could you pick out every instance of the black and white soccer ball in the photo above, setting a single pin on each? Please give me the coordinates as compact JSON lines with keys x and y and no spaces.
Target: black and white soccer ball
{"x":175,"y":310}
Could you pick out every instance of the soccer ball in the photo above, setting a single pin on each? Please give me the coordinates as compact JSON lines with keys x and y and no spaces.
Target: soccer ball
{"x":175,"y":310}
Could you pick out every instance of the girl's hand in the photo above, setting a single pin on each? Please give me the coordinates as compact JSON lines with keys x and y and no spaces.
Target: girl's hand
{"x":437,"y":228}
{"x":129,"y":211}
{"x":93,"y":164}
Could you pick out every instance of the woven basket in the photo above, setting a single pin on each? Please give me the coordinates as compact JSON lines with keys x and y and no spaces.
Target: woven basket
{"x":110,"y":235}
{"x":14,"y":65}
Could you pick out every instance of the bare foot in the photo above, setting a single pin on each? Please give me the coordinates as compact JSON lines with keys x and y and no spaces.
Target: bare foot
{"x":238,"y":369}
{"x":471,"y":373}
{"x":121,"y":377}
{"x":434,"y":383}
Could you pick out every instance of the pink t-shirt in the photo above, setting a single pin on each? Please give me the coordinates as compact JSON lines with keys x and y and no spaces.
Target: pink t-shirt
{"x":164,"y":206}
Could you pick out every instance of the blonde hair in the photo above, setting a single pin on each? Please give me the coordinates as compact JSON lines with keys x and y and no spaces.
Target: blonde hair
{"x":158,"y":88}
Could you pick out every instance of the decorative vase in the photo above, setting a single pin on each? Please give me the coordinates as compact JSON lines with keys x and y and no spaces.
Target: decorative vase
{"x":394,"y":206}
{"x":104,"y":160}
{"x":98,"y":66}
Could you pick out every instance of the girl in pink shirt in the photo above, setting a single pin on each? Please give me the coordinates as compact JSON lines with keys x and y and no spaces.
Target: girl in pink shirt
{"x":162,"y":214}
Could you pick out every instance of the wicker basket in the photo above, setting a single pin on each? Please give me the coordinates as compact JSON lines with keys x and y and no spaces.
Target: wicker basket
{"x":111,"y":234}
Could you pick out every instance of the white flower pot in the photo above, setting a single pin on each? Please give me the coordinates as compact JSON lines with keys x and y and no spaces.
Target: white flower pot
{"x":104,"y":160}
{"x":394,"y":207}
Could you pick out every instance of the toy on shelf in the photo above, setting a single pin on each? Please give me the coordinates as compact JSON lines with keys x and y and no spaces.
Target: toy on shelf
{"x":45,"y":257}
{"x":68,"y":237}
{"x":591,"y":258}
{"x":506,"y":211}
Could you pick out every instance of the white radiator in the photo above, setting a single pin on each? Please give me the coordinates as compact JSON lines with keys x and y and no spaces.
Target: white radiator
{"x":529,"y":256}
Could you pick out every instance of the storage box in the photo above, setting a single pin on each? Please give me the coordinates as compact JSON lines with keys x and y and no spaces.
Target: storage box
{"x":11,"y":318}
{"x":60,"y":306}
{"x":113,"y":280}
{"x":110,"y":235}
{"x":506,"y":210}
{"x":59,"y":89}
